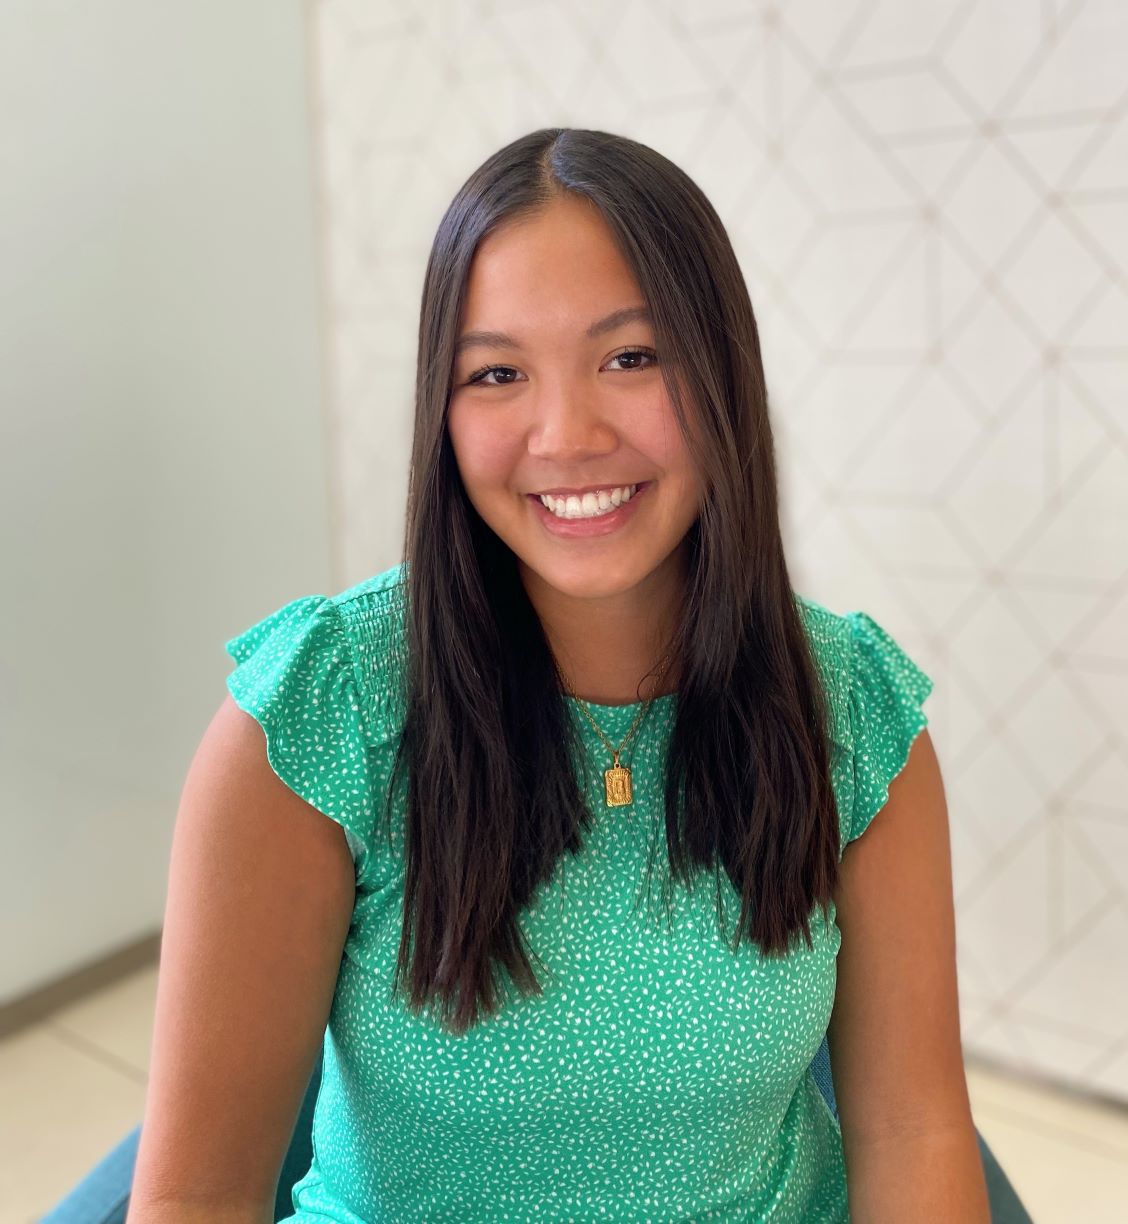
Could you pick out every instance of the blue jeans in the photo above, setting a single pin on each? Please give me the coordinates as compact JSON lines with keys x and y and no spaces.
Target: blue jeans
{"x":103,"y":1195}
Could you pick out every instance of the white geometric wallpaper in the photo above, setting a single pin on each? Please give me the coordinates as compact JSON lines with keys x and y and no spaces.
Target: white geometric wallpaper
{"x":930,"y":203}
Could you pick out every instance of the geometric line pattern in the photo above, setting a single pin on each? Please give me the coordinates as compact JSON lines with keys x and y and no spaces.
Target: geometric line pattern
{"x":929,"y":204}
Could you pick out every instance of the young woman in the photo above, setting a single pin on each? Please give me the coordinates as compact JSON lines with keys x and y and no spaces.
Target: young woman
{"x":590,"y":668}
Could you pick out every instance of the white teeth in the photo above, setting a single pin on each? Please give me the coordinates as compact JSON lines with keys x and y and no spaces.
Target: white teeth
{"x":590,"y":505}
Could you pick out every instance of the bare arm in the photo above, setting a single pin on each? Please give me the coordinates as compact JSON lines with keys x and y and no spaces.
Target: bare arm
{"x":895,"y":1049}
{"x":260,"y":897}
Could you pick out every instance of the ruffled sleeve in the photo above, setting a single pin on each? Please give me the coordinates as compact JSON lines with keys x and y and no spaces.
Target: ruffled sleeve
{"x":886,"y":692}
{"x":296,"y":677}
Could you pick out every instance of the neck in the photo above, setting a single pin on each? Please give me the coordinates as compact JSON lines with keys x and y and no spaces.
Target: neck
{"x":608,"y":646}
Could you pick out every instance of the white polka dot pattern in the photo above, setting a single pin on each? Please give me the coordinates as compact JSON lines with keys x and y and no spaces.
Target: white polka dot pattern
{"x":296,"y":678}
{"x":659,"y":1076}
{"x":885,"y":714}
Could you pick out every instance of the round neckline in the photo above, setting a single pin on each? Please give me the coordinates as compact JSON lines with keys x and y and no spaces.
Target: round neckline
{"x":616,"y":720}
{"x":610,"y":710}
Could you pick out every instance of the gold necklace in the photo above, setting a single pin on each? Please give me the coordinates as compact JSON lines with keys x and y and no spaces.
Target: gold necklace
{"x":617,"y":789}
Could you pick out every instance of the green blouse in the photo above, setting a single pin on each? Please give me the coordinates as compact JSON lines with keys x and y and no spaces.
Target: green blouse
{"x":660,"y":1076}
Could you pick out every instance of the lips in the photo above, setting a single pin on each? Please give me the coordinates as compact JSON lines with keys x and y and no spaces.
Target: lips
{"x":637,"y":485}
{"x":597,"y":525}
{"x":589,"y":488}
{"x":601,"y":488}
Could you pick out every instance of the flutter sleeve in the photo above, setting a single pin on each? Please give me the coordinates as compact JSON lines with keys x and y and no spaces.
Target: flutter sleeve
{"x":886,"y":692}
{"x":296,"y":677}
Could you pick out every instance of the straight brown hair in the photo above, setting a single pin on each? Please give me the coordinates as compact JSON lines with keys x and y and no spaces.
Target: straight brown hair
{"x":488,"y":744}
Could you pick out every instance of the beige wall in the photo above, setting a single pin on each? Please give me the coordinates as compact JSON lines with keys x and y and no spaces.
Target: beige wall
{"x":928,"y":201}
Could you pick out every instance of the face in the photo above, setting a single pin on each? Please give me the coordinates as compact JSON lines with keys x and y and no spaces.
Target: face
{"x":556,"y":388}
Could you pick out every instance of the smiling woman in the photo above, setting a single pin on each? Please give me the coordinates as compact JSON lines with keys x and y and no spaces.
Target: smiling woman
{"x":591,"y":663}
{"x":576,"y":408}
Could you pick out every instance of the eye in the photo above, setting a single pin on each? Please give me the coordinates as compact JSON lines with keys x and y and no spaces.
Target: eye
{"x":479,"y":376}
{"x":505,"y":373}
{"x":649,"y":354}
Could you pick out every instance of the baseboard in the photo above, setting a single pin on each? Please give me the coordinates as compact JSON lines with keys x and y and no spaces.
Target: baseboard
{"x":39,"y":1004}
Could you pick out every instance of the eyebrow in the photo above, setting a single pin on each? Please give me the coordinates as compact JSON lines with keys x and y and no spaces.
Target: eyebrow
{"x":493,"y":339}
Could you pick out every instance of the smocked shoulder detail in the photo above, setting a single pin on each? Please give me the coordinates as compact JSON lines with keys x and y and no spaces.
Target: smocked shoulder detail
{"x":373,"y":614}
{"x":296,"y":676}
{"x":830,"y":643}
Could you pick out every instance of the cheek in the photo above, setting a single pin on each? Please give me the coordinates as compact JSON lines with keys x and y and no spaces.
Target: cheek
{"x":485,"y":450}
{"x":656,"y":434}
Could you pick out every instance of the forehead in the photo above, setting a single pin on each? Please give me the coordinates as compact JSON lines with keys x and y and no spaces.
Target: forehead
{"x":559,"y":262}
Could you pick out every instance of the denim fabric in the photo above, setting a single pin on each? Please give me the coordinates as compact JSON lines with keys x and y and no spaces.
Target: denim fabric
{"x":1006,"y":1207}
{"x":102,"y":1197}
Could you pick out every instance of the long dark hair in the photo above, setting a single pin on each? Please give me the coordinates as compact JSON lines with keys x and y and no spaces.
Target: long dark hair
{"x":492,"y":798}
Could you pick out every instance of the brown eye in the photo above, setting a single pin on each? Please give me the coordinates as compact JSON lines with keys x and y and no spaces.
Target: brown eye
{"x":634,"y":354}
{"x":479,"y":376}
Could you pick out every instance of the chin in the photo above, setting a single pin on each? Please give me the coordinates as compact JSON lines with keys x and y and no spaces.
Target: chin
{"x":582,"y":580}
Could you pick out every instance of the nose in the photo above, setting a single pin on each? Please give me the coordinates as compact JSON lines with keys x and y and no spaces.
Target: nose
{"x":569,"y":425}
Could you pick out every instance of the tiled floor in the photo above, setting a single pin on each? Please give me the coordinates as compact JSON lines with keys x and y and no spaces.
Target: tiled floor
{"x":74,"y":1085}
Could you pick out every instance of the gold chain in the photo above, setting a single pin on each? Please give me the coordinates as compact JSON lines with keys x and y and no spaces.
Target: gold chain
{"x":617,"y":780}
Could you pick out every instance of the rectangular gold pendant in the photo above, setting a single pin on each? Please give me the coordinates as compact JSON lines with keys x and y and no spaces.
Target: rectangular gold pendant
{"x":617,"y":786}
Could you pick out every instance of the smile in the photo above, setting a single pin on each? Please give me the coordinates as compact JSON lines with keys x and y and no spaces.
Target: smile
{"x":588,"y":505}
{"x":596,"y":513}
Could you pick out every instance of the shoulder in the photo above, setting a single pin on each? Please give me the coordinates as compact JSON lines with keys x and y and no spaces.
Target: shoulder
{"x":859,"y":659}
{"x":379,"y":591}
{"x":318,"y":656}
{"x":828,"y":630}
{"x":321,"y":674}
{"x":830,"y":637}
{"x":876,"y":691}
{"x":372,"y":615}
